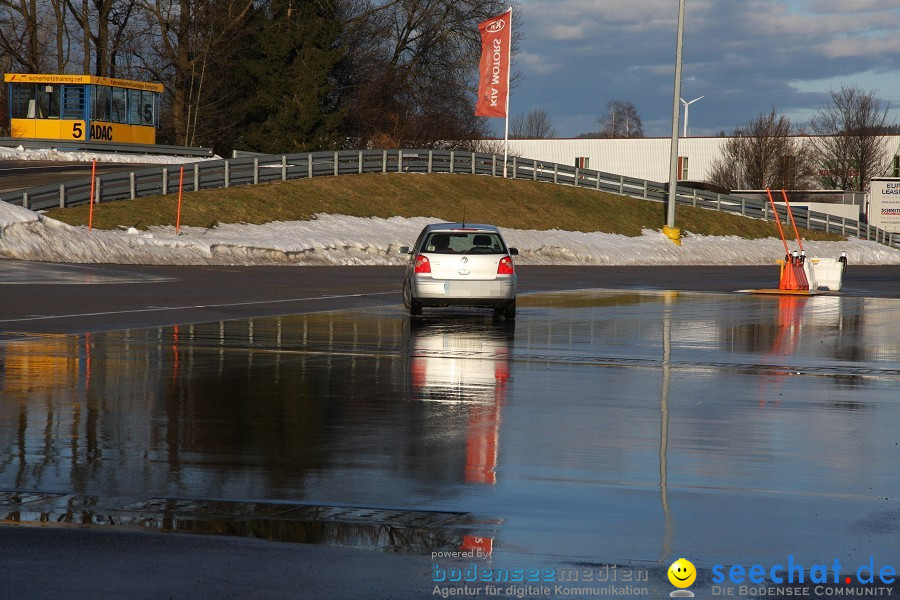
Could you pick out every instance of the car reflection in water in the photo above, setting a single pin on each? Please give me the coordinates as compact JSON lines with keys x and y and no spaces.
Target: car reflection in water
{"x":464,"y":364}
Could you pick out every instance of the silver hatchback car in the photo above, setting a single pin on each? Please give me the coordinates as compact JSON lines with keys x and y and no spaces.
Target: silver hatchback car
{"x":460,"y":264}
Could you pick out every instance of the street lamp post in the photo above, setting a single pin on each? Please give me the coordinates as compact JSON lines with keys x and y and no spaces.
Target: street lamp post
{"x":687,"y":106}
{"x":669,"y":230}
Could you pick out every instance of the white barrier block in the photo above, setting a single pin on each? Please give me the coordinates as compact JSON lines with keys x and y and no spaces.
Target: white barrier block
{"x":829,"y":273}
{"x":809,"y":268}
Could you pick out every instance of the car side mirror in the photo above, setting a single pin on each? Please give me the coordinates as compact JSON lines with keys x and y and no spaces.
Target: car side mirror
{"x":513,"y":251}
{"x":404,"y":250}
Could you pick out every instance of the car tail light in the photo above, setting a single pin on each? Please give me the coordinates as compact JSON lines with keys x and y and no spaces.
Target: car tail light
{"x":505,"y":267}
{"x":422,"y":264}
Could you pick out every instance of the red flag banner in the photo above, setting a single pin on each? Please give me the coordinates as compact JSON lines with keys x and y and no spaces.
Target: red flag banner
{"x":493,"y":69}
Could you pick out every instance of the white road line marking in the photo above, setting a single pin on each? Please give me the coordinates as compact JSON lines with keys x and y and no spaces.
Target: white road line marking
{"x":164,"y":308}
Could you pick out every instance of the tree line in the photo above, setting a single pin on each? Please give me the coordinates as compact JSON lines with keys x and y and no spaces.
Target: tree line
{"x":842,"y":149}
{"x":620,"y":121}
{"x":274,"y":75}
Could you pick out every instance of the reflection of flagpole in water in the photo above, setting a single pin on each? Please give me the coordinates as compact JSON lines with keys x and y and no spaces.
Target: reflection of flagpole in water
{"x":173,"y":404}
{"x":175,"y":357}
{"x":87,"y":364}
{"x":664,"y":431}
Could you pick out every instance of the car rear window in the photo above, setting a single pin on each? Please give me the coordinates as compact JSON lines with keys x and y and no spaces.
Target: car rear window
{"x":444,"y":242}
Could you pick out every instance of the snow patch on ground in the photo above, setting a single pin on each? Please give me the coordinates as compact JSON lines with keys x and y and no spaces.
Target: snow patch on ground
{"x":52,"y":154}
{"x":345,"y":240}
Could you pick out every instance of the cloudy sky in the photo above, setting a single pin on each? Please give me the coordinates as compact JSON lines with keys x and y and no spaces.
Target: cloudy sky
{"x":743,"y":56}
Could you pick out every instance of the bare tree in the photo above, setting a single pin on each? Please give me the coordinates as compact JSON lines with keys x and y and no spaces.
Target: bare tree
{"x":104,"y":26}
{"x":621,"y":121}
{"x":490,"y":147}
{"x":411,"y":70}
{"x":850,"y":145}
{"x":535,"y":125}
{"x":764,"y":153}
{"x":33,"y":38}
{"x":6,"y":63}
{"x":185,"y":37}
{"x":25,"y":34}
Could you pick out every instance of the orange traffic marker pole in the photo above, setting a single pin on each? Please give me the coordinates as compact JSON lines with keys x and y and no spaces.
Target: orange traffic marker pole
{"x":787,"y":253}
{"x":802,"y":281}
{"x":791,"y":215}
{"x":91,"y":209}
{"x":180,"y":188}
{"x":787,"y":279}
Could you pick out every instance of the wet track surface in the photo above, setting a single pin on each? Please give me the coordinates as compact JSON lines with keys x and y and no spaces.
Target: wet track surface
{"x":602,"y":427}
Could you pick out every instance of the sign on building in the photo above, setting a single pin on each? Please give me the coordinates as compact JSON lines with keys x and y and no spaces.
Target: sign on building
{"x":884,"y":203}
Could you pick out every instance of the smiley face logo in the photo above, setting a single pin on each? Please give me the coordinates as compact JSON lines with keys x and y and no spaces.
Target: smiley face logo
{"x":682,"y":573}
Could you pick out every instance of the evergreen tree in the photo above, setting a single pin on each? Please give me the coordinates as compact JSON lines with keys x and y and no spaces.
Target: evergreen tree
{"x":291,"y":104}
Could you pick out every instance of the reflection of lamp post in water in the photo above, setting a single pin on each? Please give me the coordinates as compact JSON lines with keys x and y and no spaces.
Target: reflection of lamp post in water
{"x":668,"y":526}
{"x":682,"y":572}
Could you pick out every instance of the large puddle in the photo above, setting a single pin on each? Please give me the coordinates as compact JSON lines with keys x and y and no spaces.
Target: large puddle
{"x":601,"y":427}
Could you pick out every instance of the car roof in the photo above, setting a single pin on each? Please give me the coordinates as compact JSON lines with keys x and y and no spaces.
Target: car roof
{"x":461,"y":226}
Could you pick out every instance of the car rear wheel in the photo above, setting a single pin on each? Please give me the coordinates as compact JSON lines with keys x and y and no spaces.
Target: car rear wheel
{"x":406,"y":294}
{"x":509,"y":311}
{"x":415,"y":309}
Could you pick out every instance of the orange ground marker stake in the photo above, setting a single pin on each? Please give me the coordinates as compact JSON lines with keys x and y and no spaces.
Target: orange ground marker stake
{"x":180,"y":188}
{"x":788,"y":279}
{"x":800,"y":275}
{"x":91,"y":209}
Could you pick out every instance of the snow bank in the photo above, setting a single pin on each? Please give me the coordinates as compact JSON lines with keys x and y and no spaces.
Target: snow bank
{"x":52,"y":154}
{"x":344,"y":240}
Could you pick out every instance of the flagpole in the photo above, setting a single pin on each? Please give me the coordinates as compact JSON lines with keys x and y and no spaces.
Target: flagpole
{"x":508,"y":69}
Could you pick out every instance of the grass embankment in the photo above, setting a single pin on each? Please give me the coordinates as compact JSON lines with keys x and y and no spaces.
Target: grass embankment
{"x":506,"y":203}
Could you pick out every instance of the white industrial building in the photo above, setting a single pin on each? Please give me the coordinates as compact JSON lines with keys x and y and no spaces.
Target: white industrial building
{"x":643,"y":158}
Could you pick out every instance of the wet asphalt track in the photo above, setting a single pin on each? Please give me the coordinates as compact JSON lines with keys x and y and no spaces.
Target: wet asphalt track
{"x":56,"y":298}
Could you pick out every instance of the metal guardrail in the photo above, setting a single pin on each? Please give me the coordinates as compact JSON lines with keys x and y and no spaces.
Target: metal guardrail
{"x":240,"y":153}
{"x":246,"y":170}
{"x":76,"y":146}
